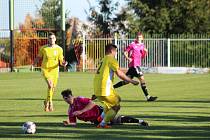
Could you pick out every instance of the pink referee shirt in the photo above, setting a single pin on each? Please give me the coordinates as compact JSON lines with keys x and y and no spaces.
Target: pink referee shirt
{"x":136,"y":52}
{"x":79,"y":103}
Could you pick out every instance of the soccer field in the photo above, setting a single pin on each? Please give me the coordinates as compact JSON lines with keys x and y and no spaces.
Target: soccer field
{"x":182,"y":110}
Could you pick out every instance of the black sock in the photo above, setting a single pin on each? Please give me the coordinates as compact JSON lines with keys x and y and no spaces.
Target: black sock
{"x":119,"y":84}
{"x":144,"y":88}
{"x":128,"y":119}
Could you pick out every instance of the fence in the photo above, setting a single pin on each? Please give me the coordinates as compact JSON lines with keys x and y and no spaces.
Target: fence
{"x":24,"y":26}
{"x":162,"y":52}
{"x":177,"y":51}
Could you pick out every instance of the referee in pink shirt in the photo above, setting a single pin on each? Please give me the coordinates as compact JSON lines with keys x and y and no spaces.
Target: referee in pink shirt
{"x":134,"y":53}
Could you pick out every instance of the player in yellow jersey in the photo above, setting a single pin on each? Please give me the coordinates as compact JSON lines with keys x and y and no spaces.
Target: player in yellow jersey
{"x":103,"y":84}
{"x":52,"y":56}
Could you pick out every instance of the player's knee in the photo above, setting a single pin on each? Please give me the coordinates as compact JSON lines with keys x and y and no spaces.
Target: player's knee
{"x":50,"y":86}
{"x":141,"y":78}
{"x":116,"y":108}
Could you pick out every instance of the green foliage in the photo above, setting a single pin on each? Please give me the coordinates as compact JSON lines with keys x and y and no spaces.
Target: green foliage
{"x":167,"y":16}
{"x":6,"y":43}
{"x":145,"y":16}
{"x":51,"y":13}
{"x":103,"y":19}
{"x":190,"y":16}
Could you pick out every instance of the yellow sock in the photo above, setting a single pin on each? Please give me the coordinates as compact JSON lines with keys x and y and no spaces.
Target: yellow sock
{"x":49,"y":94}
{"x":109,"y":115}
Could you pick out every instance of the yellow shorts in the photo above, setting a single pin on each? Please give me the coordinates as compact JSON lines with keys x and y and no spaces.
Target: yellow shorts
{"x":110,"y":101}
{"x":51,"y":74}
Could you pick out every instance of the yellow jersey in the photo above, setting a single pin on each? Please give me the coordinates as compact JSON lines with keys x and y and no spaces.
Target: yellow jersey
{"x":51,"y":56}
{"x":103,"y":80}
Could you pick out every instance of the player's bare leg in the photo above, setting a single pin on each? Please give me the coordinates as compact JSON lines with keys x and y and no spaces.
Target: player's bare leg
{"x":51,"y":106}
{"x":46,"y":106}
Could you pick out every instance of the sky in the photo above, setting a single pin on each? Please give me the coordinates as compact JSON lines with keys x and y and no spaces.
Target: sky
{"x":22,"y":7}
{"x":77,"y":7}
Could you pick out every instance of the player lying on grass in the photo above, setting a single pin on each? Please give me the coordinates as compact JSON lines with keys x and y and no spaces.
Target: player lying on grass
{"x":86,"y":110}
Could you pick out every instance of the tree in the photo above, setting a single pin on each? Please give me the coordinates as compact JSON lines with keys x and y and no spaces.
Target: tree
{"x":168,"y":16}
{"x":149,"y":16}
{"x":27,"y":42}
{"x":190,"y":16}
{"x":103,"y":19}
{"x":50,"y":12}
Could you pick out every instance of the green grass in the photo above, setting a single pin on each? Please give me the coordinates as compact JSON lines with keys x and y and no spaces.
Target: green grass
{"x":181,"y":112}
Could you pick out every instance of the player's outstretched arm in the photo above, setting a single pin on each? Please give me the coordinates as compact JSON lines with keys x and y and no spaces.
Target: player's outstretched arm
{"x":67,"y":123}
{"x":89,"y":106}
{"x":124,"y":77}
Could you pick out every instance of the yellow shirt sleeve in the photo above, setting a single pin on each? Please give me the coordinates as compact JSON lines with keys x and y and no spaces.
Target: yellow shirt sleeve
{"x":113,"y":64}
{"x":60,"y":56}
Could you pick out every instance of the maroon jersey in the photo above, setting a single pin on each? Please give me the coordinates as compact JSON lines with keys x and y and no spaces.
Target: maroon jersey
{"x":79,"y":103}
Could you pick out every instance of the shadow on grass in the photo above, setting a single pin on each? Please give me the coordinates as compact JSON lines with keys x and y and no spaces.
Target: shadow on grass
{"x":170,"y":101}
{"x":51,"y":130}
{"x":169,"y":106}
{"x":35,"y":116}
{"x":179,"y":119}
{"x":40,"y":99}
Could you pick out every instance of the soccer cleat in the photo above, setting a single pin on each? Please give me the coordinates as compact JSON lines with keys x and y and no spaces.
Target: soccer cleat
{"x":46,"y":106}
{"x":152,"y":98}
{"x":105,"y":126}
{"x":144,"y":123}
{"x":51,"y":106}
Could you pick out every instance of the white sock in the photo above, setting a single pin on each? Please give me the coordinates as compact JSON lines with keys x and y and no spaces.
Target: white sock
{"x":148,"y":96}
{"x":102,"y":114}
{"x":140,"y":121}
{"x":102,"y":123}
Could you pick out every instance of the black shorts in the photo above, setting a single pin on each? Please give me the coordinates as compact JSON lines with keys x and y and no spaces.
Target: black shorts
{"x":134,"y":72}
{"x":101,"y":109}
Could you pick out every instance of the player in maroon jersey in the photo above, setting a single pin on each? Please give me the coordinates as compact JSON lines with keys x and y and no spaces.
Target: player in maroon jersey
{"x":86,"y":110}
